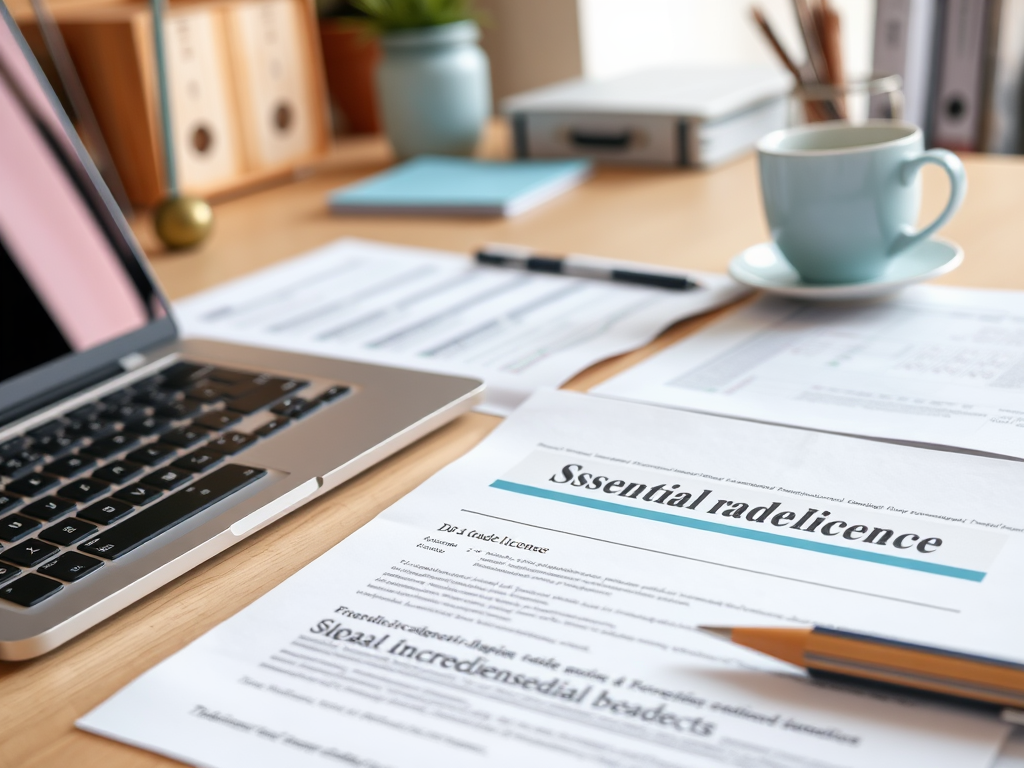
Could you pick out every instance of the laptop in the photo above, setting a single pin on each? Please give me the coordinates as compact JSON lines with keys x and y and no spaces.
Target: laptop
{"x":128,"y":455}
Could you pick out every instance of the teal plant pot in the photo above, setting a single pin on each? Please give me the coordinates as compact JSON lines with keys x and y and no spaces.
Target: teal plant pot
{"x":434,"y":89}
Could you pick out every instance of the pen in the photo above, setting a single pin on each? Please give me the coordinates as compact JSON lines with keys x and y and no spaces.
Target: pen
{"x":906,"y":665}
{"x":519,"y":257}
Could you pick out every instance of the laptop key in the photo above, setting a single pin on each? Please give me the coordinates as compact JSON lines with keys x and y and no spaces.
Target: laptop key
{"x":181,"y":374}
{"x":9,"y":501}
{"x":118,"y":472}
{"x":180,"y":506}
{"x":204,"y":392}
{"x":228,"y":376}
{"x":186,"y":437}
{"x":272,"y":426}
{"x":137,"y":494}
{"x":48,"y":509}
{"x":301,"y":409}
{"x":231,"y":442}
{"x":68,"y":533}
{"x":13,"y":446}
{"x":218,"y":420}
{"x":57,"y":445}
{"x":33,"y":485}
{"x":265,"y":394}
{"x":117,"y":399}
{"x":114,"y":444}
{"x":17,"y":527}
{"x":127,"y":412}
{"x":84,"y":490}
{"x":157,"y":397}
{"x":49,"y":428}
{"x":70,"y":466}
{"x":29,"y":553}
{"x":180,"y":409}
{"x":71,"y":566}
{"x":291,"y":406}
{"x":150,"y":382}
{"x":149,"y":425}
{"x":8,"y":572}
{"x":333,"y":393}
{"x":20,"y":464}
{"x":151,"y":454}
{"x":167,"y":478}
{"x":30,"y":590}
{"x":94,"y":428}
{"x":107,"y":511}
{"x":230,"y":391}
{"x":200,"y":460}
{"x":84,"y":412}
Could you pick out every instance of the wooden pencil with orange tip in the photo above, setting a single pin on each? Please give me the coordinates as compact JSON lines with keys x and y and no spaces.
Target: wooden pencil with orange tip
{"x":907,"y":665}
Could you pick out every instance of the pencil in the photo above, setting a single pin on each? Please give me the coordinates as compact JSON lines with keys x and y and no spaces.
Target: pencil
{"x":773,"y":41}
{"x":829,"y":30}
{"x":917,"y":667}
{"x":815,"y":54}
{"x":813,"y":109}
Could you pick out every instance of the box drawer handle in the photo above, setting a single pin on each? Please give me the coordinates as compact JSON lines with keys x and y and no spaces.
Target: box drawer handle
{"x":591,"y":140}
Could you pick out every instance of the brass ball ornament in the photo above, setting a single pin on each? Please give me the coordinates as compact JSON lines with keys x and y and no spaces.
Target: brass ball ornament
{"x":183,"y":222}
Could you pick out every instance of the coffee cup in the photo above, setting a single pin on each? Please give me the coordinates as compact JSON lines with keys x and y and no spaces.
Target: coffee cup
{"x":842,"y":200}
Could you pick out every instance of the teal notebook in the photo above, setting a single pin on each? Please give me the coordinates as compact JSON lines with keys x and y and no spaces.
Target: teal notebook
{"x":461,"y":185}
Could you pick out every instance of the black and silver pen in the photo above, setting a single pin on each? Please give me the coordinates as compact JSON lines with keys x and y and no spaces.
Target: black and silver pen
{"x":520,"y":257}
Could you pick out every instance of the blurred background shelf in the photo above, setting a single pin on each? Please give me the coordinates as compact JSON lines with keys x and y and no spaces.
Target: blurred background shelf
{"x":261,"y":111}
{"x":246,"y":86}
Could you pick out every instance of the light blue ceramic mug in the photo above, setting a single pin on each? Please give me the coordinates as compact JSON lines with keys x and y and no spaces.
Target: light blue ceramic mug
{"x":843,"y":199}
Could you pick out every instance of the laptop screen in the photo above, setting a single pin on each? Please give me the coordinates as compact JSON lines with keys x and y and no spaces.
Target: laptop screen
{"x":69,"y":280}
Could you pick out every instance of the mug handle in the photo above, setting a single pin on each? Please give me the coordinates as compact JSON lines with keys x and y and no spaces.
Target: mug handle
{"x":951,"y":164}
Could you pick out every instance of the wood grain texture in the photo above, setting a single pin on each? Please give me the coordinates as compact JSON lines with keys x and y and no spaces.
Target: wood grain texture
{"x":683,"y":218}
{"x":22,"y":9}
{"x":112,"y":48}
{"x":113,"y":59}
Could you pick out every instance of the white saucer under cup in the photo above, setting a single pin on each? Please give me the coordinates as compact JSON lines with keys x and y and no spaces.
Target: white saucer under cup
{"x":763,"y":266}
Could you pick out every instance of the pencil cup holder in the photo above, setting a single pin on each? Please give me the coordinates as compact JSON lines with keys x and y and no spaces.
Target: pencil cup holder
{"x":854,"y":101}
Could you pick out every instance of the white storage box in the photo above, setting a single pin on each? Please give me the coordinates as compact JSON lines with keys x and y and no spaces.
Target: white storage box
{"x":695,"y":117}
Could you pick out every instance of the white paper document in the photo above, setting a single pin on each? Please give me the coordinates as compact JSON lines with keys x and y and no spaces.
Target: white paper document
{"x":439,"y":311}
{"x":536,"y":602}
{"x":933,"y":365}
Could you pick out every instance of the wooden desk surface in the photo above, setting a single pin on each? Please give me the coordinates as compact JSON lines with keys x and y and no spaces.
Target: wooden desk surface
{"x":685,"y":218}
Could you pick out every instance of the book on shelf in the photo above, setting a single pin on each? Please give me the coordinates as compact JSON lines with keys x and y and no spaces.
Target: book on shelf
{"x":906,"y":37}
{"x":962,"y":67}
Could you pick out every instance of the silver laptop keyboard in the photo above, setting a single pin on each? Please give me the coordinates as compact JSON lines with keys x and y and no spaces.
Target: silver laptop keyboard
{"x":88,"y":487}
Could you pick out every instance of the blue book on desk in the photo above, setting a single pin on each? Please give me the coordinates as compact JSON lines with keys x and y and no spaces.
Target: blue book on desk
{"x":461,"y":186}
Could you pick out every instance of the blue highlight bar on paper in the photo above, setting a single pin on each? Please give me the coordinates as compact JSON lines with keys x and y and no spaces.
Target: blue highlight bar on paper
{"x":740,"y":532}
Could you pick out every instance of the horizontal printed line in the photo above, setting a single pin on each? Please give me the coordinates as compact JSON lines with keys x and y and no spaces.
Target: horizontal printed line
{"x":743,"y":533}
{"x":714,"y":563}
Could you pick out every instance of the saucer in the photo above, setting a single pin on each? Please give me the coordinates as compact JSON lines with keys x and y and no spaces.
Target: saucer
{"x":762,"y":266}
